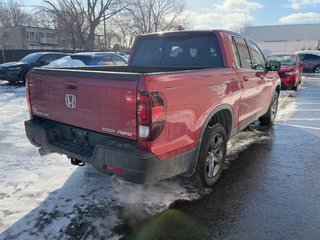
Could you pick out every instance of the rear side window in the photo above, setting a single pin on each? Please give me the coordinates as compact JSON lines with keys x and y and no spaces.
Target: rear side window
{"x":49,"y":57}
{"x":310,"y":57}
{"x":183,"y":51}
{"x":104,"y":60}
{"x":236,"y":52}
{"x":83,"y":58}
{"x":243,"y":51}
{"x":119,"y":61}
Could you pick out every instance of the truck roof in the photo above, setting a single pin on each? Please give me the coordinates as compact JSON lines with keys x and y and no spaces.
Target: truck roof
{"x":191,"y":31}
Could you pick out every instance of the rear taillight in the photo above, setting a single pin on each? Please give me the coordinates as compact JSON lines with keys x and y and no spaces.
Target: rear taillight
{"x":28,"y":95}
{"x":151,"y":116}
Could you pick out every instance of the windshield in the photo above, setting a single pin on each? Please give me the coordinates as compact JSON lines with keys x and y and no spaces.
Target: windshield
{"x":31,"y":58}
{"x":286,"y":60}
{"x":165,"y":51}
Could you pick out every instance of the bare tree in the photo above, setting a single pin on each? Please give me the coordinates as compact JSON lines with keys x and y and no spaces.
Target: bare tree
{"x":18,"y":16}
{"x":11,"y":15}
{"x":241,"y":28}
{"x":4,"y":24}
{"x":120,"y":31}
{"x":82,"y":17}
{"x":154,"y":15}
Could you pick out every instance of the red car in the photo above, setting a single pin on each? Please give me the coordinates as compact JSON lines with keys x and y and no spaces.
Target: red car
{"x":291,"y":69}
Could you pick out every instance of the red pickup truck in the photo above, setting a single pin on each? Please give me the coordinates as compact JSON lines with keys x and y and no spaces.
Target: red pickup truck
{"x":170,"y":111}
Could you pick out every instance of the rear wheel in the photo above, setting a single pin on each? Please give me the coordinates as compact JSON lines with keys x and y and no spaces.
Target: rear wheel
{"x":316,"y":69}
{"x":212,"y":155}
{"x":270,"y":116}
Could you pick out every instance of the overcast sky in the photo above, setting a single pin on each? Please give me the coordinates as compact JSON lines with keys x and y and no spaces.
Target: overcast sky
{"x":227,"y":14}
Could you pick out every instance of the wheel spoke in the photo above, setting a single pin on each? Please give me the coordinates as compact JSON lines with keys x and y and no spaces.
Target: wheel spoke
{"x":217,"y":159}
{"x":211,"y":169}
{"x":218,"y":144}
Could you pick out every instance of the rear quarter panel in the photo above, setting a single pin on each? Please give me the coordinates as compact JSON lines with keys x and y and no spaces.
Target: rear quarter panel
{"x":191,"y":97}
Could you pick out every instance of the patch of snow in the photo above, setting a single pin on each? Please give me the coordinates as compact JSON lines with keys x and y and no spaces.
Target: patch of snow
{"x":287,"y":105}
{"x":244,"y":140}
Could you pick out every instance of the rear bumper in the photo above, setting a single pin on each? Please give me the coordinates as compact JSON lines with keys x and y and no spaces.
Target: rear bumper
{"x":290,"y":81}
{"x":138,"y":166}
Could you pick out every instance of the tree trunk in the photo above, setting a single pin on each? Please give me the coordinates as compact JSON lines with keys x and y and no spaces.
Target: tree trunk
{"x":3,"y":55}
{"x":90,"y":40}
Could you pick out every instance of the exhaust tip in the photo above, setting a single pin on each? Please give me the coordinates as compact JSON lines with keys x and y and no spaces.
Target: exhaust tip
{"x":43,"y":152}
{"x":118,"y":182}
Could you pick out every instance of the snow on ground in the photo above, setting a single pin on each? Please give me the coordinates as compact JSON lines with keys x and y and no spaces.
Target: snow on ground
{"x":48,"y":198}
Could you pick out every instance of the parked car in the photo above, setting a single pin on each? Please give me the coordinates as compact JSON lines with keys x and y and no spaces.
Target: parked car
{"x":3,"y":70}
{"x":17,"y":71}
{"x":90,"y":59}
{"x":311,"y":59}
{"x":124,"y":55}
{"x":291,"y":69}
{"x":168,"y":112}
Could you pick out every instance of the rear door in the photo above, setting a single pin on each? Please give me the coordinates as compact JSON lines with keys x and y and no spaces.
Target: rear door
{"x":249,"y":105}
{"x":264,"y":78}
{"x":96,"y":101}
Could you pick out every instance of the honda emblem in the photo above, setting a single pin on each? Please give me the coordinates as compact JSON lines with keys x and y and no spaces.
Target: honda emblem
{"x":71,"y":101}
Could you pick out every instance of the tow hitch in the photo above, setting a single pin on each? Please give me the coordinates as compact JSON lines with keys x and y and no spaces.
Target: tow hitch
{"x":77,"y":162}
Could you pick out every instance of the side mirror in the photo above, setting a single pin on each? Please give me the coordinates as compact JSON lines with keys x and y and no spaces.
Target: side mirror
{"x":273,"y":65}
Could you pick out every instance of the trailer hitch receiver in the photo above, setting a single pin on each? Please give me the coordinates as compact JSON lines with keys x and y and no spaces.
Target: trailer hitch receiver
{"x":77,"y":162}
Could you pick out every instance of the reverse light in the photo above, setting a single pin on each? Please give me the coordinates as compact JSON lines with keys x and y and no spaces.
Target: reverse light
{"x":144,"y":131}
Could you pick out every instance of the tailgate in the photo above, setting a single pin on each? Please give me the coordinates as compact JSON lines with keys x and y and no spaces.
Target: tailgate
{"x":99,"y":101}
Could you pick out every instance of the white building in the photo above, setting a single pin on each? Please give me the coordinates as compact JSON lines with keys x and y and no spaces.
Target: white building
{"x":285,"y":38}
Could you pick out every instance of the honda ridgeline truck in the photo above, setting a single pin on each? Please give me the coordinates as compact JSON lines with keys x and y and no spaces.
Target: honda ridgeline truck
{"x":170,"y":111}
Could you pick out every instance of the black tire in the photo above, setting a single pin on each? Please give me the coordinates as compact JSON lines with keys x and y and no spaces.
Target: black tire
{"x":316,"y":69}
{"x":24,"y":77}
{"x":11,"y":83}
{"x":212,"y":155}
{"x":270,"y":116}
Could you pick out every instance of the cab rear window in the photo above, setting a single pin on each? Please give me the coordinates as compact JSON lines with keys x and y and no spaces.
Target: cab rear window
{"x":182,"y":51}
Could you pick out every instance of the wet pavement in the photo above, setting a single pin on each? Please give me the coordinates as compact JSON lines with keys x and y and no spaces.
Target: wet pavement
{"x":271,"y":191}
